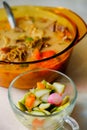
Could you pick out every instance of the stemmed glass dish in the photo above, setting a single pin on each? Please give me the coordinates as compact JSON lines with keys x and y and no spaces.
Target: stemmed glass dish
{"x":53,"y":121}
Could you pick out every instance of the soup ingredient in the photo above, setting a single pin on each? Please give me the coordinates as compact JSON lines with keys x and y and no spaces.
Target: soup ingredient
{"x":44,"y":99}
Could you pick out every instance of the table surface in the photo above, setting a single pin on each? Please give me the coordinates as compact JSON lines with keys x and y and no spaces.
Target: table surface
{"x":77,"y":69}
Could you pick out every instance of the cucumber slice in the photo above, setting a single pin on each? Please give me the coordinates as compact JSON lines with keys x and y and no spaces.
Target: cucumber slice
{"x":21,"y":106}
{"x":41,"y":110}
{"x":54,"y":109}
{"x":47,"y":84}
{"x":65,"y":100}
{"x":44,"y":82}
{"x":36,"y":109}
{"x":44,"y":98}
{"x":37,"y":113}
{"x":46,"y":112}
{"x":43,"y":106}
{"x":32,"y":90}
{"x":62,"y":107}
{"x":40,"y":92}
{"x":37,"y":102}
{"x":59,"y":87}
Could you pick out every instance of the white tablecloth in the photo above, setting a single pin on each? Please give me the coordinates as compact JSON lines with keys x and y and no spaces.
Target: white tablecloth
{"x":77,"y":69}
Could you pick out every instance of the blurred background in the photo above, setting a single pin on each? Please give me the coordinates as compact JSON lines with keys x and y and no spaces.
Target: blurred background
{"x":79,"y":6}
{"x":77,"y":68}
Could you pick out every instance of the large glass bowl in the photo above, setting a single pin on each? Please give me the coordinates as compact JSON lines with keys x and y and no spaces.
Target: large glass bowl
{"x":9,"y":70}
{"x":29,"y":80}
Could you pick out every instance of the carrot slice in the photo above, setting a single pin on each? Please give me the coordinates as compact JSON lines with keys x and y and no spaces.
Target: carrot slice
{"x":47,"y":54}
{"x":29,"y":102}
{"x":36,"y":54}
{"x":40,"y":85}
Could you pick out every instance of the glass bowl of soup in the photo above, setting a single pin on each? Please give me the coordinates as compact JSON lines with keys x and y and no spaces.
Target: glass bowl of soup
{"x":47,"y":102}
{"x":44,"y":38}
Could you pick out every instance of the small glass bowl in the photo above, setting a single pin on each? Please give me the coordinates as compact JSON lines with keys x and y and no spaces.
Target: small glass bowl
{"x":28,"y":80}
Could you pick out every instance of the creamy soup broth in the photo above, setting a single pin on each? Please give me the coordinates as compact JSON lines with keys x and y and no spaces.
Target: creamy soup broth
{"x":32,"y":33}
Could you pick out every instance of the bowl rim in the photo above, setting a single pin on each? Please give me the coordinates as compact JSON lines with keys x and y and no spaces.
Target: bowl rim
{"x":41,"y":69}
